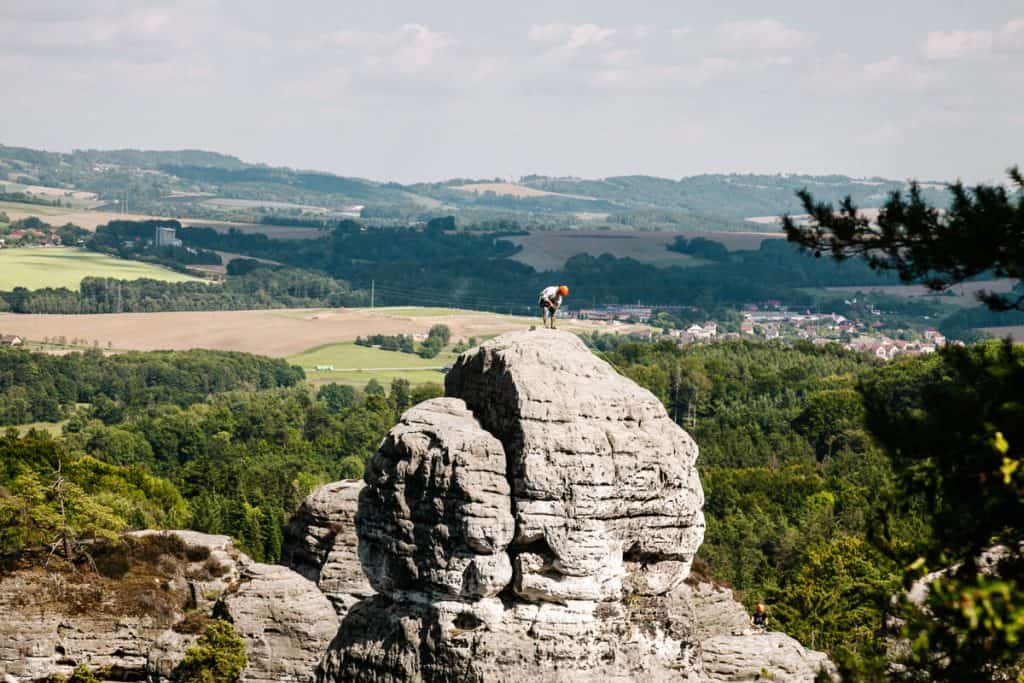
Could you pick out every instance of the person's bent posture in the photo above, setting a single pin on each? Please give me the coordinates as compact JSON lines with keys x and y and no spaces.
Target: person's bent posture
{"x":550,"y":302}
{"x":759,"y":620}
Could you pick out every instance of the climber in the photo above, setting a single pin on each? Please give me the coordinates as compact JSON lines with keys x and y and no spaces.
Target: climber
{"x":550,"y":301}
{"x":759,"y":620}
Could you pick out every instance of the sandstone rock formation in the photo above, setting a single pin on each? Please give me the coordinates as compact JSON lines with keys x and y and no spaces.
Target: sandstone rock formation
{"x":135,"y":619}
{"x":539,"y":523}
{"x":320,"y":543}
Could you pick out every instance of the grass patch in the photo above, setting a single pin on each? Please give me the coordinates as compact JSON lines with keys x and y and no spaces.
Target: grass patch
{"x":39,"y":210}
{"x":357,"y":365}
{"x":66,"y":266}
{"x":52,"y":428}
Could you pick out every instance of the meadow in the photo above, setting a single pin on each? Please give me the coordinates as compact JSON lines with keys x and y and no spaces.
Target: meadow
{"x":89,"y":220}
{"x":37,"y":268}
{"x":551,"y":249}
{"x":357,"y":365}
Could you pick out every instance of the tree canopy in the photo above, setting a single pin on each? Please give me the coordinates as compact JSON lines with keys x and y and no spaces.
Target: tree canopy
{"x":982,"y":232}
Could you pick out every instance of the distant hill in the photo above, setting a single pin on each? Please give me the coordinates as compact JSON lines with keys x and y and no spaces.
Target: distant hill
{"x":201,"y":184}
{"x":731,"y":195}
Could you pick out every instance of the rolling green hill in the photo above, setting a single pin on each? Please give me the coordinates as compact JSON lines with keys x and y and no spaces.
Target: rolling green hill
{"x":200,"y":184}
{"x":66,"y":266}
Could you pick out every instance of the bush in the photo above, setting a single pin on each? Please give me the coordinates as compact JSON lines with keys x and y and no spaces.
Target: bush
{"x":83,"y":674}
{"x":218,"y":657}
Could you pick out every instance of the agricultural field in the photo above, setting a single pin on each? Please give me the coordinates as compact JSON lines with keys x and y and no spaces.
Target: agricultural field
{"x":89,"y":220}
{"x":1015,"y":332}
{"x":515,"y":190}
{"x":357,"y":365}
{"x":36,"y":268}
{"x":550,"y":250}
{"x":277,"y":333}
{"x":963,"y":294}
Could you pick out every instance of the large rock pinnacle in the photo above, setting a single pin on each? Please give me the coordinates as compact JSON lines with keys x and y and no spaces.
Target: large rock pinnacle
{"x":500,"y":523}
{"x":599,"y":472}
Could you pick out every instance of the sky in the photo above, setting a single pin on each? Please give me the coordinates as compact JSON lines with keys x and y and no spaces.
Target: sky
{"x":413,"y":91}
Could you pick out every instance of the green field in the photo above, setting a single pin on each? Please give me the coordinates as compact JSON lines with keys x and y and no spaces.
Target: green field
{"x":66,"y":266}
{"x":41,"y":210}
{"x":357,"y":365}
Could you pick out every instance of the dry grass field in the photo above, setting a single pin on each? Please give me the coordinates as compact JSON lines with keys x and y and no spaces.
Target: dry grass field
{"x":278,"y":333}
{"x":960,"y":295}
{"x":514,"y":190}
{"x":550,"y":250}
{"x":89,"y":220}
{"x":1015,"y":332}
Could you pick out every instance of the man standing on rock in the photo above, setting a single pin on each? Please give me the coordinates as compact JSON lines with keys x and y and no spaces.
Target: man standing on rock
{"x":550,"y":301}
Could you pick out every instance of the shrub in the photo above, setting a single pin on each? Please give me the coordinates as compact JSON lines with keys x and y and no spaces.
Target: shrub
{"x":218,"y":657}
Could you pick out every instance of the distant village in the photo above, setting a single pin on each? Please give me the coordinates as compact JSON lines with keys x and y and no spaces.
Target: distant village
{"x":773,"y":321}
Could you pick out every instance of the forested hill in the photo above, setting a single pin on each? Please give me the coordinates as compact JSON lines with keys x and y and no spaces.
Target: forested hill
{"x":195,"y":183}
{"x":733,"y":195}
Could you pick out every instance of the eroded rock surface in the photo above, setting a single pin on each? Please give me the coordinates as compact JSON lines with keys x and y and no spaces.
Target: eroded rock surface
{"x":771,"y":656}
{"x":436,"y":515}
{"x":541,"y":455}
{"x":137,"y":617}
{"x":599,"y":472}
{"x":285,"y":621}
{"x":320,"y":543}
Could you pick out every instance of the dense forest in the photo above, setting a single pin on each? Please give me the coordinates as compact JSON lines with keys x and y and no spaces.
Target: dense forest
{"x":39,"y":387}
{"x":827,"y":475}
{"x":218,"y":442}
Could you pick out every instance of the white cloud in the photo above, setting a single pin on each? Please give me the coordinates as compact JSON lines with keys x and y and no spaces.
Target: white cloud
{"x":957,"y":44}
{"x":409,"y":49}
{"x":946,"y":45}
{"x":764,"y":34}
{"x":567,"y":40}
{"x":840,"y":74}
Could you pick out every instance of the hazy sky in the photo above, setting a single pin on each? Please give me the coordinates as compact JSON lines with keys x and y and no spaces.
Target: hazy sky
{"x":403,"y":90}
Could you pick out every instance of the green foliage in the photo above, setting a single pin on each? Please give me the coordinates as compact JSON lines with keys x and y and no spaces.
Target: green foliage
{"x":337,"y":397}
{"x":954,"y":425}
{"x":833,"y":601}
{"x":794,"y":487}
{"x":48,"y":494}
{"x":83,"y":674}
{"x":218,"y":657}
{"x":41,"y":387}
{"x":982,"y":232}
{"x":939,"y":418}
{"x":263,"y":287}
{"x":441,"y":332}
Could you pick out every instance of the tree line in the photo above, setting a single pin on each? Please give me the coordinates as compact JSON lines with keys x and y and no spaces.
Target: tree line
{"x":40,"y":387}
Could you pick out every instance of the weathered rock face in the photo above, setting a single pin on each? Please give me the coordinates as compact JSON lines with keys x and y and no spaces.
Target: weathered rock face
{"x":599,"y":471}
{"x":750,"y":657}
{"x":136,"y":618}
{"x":436,"y":515}
{"x":284,"y":620}
{"x":539,"y":524}
{"x":320,"y":543}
